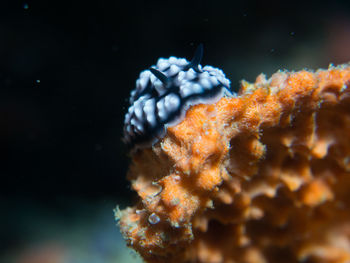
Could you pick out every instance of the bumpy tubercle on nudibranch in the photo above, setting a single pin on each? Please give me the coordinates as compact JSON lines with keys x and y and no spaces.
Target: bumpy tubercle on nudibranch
{"x":164,"y":93}
{"x":259,"y":177}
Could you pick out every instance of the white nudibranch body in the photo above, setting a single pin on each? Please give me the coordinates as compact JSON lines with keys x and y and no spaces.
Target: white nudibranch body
{"x":164,"y":93}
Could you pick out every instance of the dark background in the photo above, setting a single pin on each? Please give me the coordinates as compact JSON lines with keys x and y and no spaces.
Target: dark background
{"x":67,"y":68}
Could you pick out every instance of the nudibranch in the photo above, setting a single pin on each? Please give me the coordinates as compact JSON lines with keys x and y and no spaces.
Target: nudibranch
{"x":164,"y":93}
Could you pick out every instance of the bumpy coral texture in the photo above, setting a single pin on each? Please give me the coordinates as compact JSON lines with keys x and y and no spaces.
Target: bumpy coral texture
{"x":263,"y":177}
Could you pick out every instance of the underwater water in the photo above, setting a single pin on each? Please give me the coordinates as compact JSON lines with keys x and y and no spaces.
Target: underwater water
{"x":66,"y":72}
{"x":73,"y":231}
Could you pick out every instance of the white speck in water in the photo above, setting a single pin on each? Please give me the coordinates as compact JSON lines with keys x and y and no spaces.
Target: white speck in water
{"x":153,"y":219}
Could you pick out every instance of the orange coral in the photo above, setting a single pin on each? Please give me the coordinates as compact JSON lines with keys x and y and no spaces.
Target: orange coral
{"x":263,"y":177}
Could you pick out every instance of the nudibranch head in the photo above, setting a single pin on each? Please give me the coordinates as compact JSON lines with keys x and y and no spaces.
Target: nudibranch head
{"x":164,"y":93}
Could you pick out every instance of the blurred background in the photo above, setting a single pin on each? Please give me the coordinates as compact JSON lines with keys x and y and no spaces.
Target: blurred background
{"x":66,"y":71}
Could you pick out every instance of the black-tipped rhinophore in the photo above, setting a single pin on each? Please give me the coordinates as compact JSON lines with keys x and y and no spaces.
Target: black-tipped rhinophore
{"x":164,"y":79}
{"x":198,"y":54}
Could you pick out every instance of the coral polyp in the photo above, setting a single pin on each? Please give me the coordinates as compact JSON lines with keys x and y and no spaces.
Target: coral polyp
{"x":164,"y":93}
